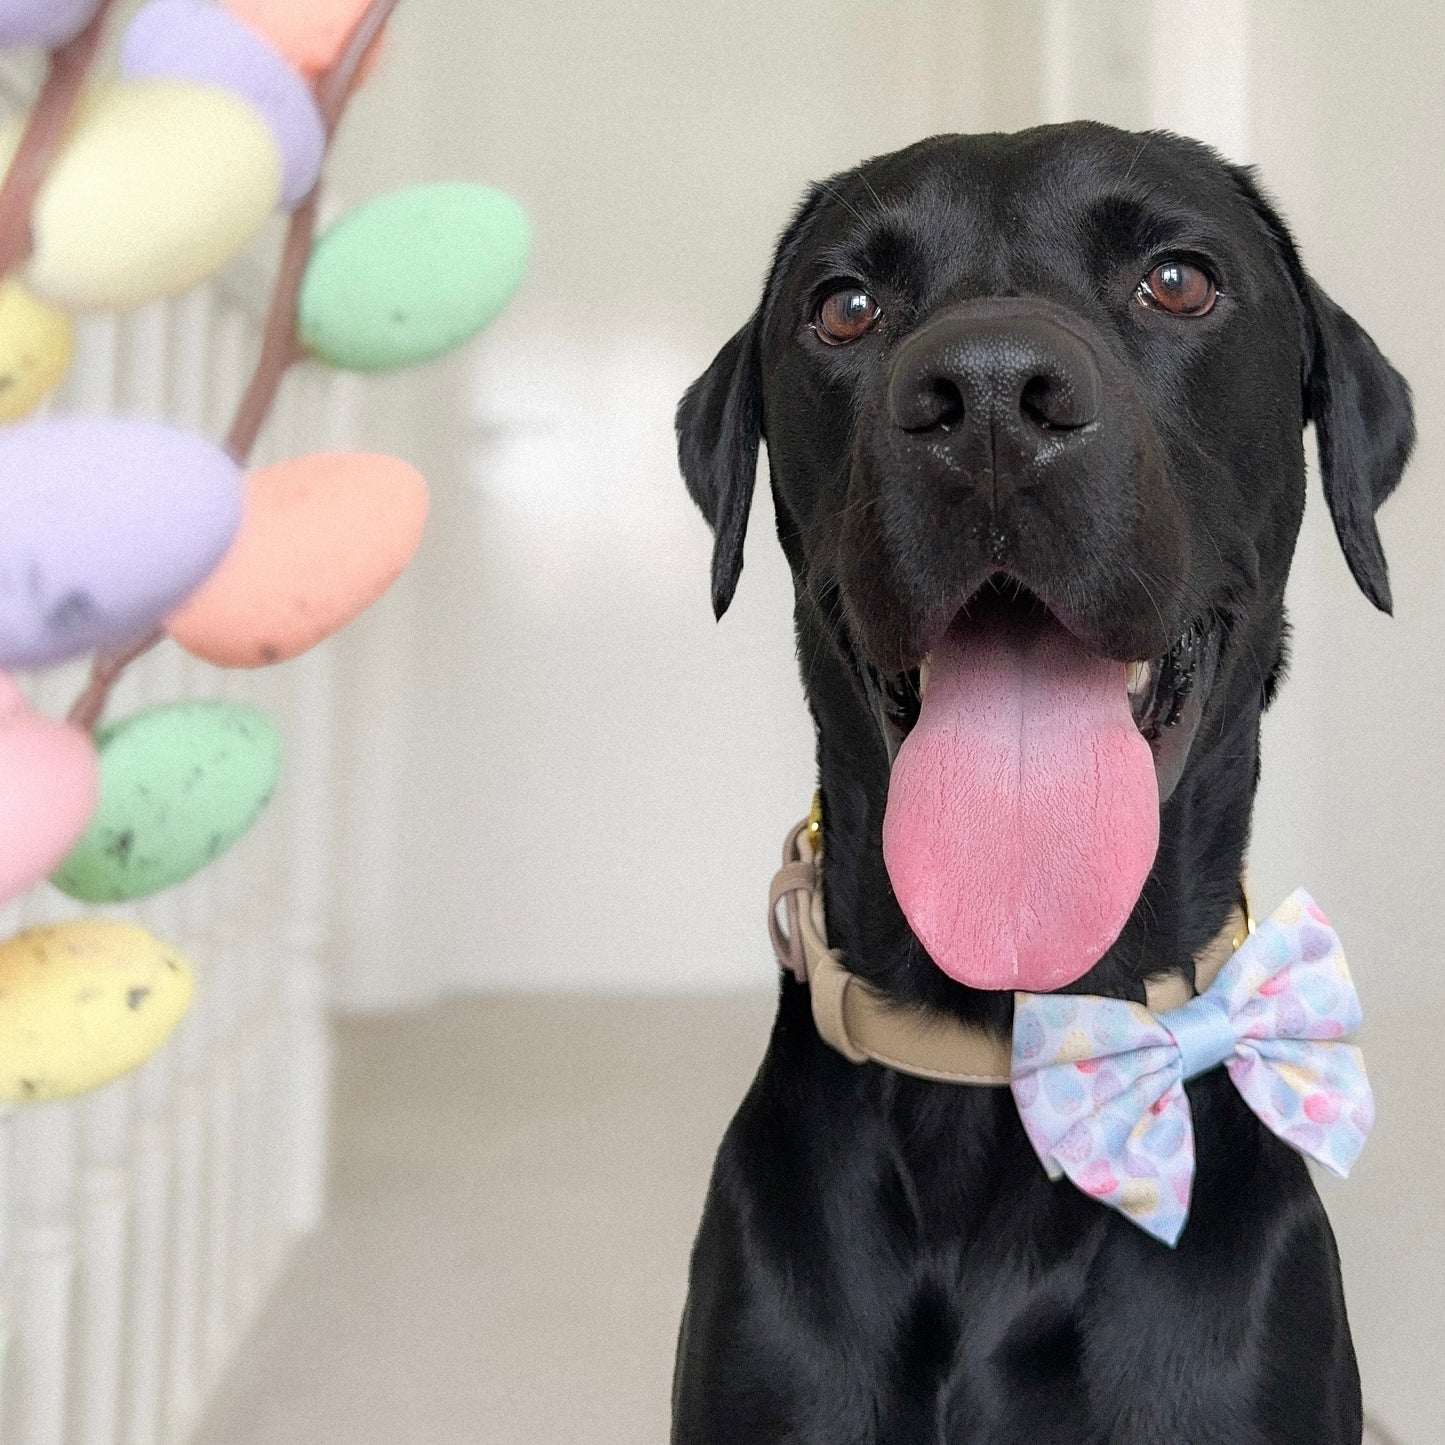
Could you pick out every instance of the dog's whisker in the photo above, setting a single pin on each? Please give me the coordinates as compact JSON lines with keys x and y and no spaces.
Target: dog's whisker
{"x":871,"y":189}
{"x":842,"y":200}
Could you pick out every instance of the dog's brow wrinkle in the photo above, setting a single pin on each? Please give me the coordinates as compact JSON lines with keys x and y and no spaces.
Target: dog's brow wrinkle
{"x":887,"y":253}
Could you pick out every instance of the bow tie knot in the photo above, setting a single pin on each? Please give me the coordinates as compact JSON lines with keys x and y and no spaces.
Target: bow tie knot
{"x":1100,"y":1082}
{"x":1203,"y":1032}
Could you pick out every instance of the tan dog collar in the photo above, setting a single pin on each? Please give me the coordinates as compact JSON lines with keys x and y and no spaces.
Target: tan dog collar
{"x":865,"y":1025}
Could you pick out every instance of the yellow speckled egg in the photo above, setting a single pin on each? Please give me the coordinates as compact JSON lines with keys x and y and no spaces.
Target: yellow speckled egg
{"x":36,"y":345}
{"x":82,"y":1004}
{"x":160,"y":183}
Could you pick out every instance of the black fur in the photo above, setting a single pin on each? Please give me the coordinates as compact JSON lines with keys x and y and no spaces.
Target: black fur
{"x":882,"y":1259}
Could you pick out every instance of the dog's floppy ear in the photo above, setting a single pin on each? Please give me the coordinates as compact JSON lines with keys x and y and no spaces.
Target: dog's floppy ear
{"x":1365,"y":428}
{"x":720,"y":419}
{"x":1359,"y":403}
{"x":719,"y":424}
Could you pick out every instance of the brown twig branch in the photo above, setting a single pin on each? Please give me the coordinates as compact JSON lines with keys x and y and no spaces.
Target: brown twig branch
{"x":104,"y":673}
{"x":280,"y":346}
{"x":333,"y":89}
{"x":44,"y":134}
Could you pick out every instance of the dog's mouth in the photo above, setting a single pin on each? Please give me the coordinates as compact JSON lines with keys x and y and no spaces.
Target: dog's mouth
{"x":1027,"y":776}
{"x":1160,"y":690}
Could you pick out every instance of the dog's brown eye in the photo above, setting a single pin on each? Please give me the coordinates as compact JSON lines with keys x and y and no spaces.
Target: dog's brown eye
{"x":846,"y":315}
{"x":1180,"y":288}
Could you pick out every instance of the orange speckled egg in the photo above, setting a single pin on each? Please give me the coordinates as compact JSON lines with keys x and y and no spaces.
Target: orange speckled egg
{"x":311,"y":34}
{"x":321,"y":539}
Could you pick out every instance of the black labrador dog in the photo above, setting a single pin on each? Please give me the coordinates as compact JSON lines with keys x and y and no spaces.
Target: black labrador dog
{"x":1063,"y":370}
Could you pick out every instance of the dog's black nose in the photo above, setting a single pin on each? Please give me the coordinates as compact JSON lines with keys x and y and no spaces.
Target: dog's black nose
{"x":1000,"y":366}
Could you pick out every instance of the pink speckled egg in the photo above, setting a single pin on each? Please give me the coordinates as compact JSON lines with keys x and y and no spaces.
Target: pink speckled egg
{"x":321,"y":539}
{"x":49,"y":782}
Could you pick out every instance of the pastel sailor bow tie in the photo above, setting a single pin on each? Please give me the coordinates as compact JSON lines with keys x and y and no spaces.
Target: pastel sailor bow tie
{"x":1100,"y":1082}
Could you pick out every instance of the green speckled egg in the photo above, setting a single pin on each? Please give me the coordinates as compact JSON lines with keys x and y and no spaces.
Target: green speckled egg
{"x":412,"y":274}
{"x":178,"y":785}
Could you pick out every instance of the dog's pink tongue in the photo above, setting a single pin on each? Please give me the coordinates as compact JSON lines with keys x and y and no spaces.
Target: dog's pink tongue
{"x":1023,"y":811}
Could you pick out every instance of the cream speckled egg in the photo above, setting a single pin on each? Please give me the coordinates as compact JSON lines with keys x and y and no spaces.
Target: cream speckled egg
{"x":321,"y":538}
{"x":195,"y":40}
{"x":82,"y":1004}
{"x":37,"y":343}
{"x":160,"y":183}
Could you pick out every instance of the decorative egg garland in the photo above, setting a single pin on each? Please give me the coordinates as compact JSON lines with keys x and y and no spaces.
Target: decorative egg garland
{"x":115,"y":195}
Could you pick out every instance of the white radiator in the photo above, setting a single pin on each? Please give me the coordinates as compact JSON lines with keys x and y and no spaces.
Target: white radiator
{"x":141,"y":1228}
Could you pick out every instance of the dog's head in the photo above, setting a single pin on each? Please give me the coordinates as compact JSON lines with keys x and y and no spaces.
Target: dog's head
{"x":1033,"y":406}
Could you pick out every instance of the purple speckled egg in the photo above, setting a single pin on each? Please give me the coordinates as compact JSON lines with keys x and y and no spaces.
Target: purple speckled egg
{"x":195,"y":41}
{"x":43,"y":22}
{"x":106,"y":526}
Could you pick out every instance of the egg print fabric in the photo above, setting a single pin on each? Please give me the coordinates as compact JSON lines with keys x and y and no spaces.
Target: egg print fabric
{"x":1099,"y":1082}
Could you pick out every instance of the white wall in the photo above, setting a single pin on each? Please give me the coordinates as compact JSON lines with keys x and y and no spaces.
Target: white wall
{"x":1361,"y":140}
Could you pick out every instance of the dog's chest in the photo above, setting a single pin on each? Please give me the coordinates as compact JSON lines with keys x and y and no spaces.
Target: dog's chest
{"x":979,"y":1327}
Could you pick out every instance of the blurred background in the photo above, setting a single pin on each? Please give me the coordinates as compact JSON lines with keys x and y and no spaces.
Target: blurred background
{"x":547,"y":792}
